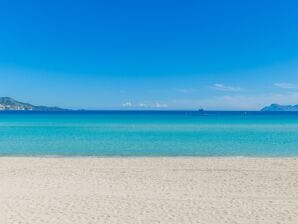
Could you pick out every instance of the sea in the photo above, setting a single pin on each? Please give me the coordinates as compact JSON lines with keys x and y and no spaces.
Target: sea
{"x":149,"y":133}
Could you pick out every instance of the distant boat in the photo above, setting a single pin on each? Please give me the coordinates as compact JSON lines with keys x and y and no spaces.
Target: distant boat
{"x":202,"y":112}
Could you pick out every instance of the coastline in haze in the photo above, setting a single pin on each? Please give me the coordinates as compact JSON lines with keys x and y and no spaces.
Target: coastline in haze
{"x":10,"y":104}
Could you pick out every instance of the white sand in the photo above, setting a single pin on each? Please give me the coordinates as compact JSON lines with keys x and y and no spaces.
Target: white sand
{"x":148,"y":190}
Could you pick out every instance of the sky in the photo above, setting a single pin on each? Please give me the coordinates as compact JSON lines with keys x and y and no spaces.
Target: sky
{"x":155,"y":54}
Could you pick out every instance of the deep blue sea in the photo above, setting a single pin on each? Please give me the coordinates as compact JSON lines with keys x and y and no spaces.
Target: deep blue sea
{"x":148,"y":133}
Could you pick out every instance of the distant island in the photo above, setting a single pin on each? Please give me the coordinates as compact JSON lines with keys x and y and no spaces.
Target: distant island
{"x":278,"y":107}
{"x":8,"y":103}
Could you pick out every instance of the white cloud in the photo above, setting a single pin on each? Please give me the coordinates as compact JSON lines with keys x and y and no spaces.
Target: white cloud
{"x":143,"y":105}
{"x":185,"y":90}
{"x":286,"y":85}
{"x":161,"y":105}
{"x":127,"y":104}
{"x":225,"y":88}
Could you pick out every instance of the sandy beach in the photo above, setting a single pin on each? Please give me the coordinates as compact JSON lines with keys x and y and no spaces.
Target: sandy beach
{"x":148,"y":190}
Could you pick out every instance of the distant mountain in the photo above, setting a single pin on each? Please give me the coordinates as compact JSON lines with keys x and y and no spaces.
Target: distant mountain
{"x":7,"y":103}
{"x":277,"y":107}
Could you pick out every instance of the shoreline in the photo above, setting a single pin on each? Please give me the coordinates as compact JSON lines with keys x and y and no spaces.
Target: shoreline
{"x":168,"y":190}
{"x":148,"y":157}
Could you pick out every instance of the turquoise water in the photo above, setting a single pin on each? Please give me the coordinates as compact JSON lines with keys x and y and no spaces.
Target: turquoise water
{"x":149,"y":134}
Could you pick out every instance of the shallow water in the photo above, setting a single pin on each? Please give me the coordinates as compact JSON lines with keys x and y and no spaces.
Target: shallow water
{"x":183,"y":133}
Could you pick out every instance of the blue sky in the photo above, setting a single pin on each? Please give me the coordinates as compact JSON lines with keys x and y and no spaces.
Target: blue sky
{"x":230,"y":55}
